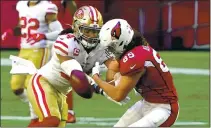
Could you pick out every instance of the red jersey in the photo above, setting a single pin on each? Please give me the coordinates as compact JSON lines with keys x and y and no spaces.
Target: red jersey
{"x":156,"y":85}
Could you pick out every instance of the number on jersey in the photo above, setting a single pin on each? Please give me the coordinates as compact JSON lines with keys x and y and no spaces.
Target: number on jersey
{"x":163,"y":66}
{"x":32,"y":23}
{"x":128,"y":56}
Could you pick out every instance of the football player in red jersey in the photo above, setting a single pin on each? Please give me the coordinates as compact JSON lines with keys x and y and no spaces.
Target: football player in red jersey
{"x":66,"y":10}
{"x":141,"y":68}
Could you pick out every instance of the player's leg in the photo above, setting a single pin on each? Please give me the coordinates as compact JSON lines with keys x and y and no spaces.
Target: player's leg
{"x":64,"y":110}
{"x":39,"y":56}
{"x":158,"y":115}
{"x":132,"y":115}
{"x":71,"y":115}
{"x":17,"y":81}
{"x":45,"y":101}
{"x":17,"y":86}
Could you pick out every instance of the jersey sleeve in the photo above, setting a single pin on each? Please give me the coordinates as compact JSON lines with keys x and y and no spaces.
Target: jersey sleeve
{"x":133,"y":61}
{"x":65,"y":45}
{"x":51,"y":8}
{"x":105,"y":56}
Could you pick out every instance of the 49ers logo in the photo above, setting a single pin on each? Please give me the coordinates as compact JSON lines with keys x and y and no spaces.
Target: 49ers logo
{"x":76,"y":52}
{"x":116,"y":31}
{"x":79,"y":14}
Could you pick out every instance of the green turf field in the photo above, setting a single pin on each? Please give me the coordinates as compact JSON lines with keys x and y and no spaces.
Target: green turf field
{"x":193,"y":91}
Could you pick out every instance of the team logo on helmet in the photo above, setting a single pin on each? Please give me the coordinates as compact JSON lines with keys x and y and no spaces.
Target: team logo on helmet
{"x":79,"y":14}
{"x":116,"y":31}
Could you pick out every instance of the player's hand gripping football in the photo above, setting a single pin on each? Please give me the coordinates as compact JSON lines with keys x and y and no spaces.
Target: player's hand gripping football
{"x":34,"y":38}
{"x":98,"y":90}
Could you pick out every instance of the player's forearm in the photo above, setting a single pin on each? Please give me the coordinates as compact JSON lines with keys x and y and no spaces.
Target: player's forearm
{"x":16,"y":31}
{"x":55,"y":28}
{"x":109,"y":89}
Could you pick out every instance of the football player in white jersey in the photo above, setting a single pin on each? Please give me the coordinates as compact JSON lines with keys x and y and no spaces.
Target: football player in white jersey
{"x":66,"y":10}
{"x":75,"y":49}
{"x":37,"y":24}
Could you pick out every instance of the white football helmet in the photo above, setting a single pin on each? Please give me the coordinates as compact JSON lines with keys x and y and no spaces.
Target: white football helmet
{"x":116,"y":34}
{"x":87,"y":22}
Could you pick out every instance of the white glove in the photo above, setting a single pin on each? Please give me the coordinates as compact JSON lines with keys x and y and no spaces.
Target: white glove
{"x":96,"y":69}
{"x":3,"y":36}
{"x":91,"y":81}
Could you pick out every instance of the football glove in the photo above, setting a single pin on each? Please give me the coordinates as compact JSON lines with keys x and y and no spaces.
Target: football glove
{"x":96,"y":69}
{"x":99,"y":90}
{"x":6,"y":34}
{"x":34,"y":38}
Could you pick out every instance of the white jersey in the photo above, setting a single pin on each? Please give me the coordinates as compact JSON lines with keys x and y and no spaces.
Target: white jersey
{"x":67,"y":45}
{"x":32,"y":20}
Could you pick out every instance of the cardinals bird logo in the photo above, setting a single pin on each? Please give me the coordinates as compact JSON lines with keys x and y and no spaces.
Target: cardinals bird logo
{"x":116,"y":31}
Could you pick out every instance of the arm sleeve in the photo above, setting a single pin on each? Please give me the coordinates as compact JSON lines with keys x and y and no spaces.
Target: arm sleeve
{"x":105,"y":56}
{"x":55,"y":28}
{"x":51,"y":8}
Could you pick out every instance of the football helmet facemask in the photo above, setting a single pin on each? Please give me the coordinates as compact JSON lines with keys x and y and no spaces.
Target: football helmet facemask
{"x":87,"y":22}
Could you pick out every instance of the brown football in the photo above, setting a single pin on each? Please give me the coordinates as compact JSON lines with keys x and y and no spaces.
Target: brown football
{"x":80,"y":84}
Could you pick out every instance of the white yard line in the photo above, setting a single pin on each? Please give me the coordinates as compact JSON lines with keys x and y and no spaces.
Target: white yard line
{"x":96,"y":121}
{"x":188,"y":71}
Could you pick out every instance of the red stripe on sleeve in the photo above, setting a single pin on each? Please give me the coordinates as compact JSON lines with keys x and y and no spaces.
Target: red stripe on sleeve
{"x":62,"y":50}
{"x":62,"y":43}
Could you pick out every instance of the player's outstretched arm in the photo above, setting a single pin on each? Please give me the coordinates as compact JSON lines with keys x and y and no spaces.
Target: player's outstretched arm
{"x":122,"y":89}
{"x":16,"y":31}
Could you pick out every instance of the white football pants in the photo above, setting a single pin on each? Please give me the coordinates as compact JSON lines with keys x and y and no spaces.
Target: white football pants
{"x":145,"y":114}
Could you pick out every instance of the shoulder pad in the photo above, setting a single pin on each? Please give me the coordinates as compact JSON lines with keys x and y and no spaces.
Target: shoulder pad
{"x":133,"y":61}
{"x":65,"y":45}
{"x":51,"y":8}
{"x":20,"y":4}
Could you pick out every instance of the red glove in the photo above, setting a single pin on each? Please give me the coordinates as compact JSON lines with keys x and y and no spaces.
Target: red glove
{"x":6,"y":34}
{"x":33,"y":38}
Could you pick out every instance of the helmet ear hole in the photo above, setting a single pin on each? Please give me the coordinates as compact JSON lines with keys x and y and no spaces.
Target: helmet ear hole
{"x":121,"y":43}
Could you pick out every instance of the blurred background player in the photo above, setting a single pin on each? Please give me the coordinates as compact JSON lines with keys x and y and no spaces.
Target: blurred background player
{"x":37,"y":24}
{"x":75,"y":50}
{"x":66,"y":10}
{"x":141,"y":68}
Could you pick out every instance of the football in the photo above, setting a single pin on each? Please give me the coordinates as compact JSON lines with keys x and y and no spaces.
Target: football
{"x":80,"y":84}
